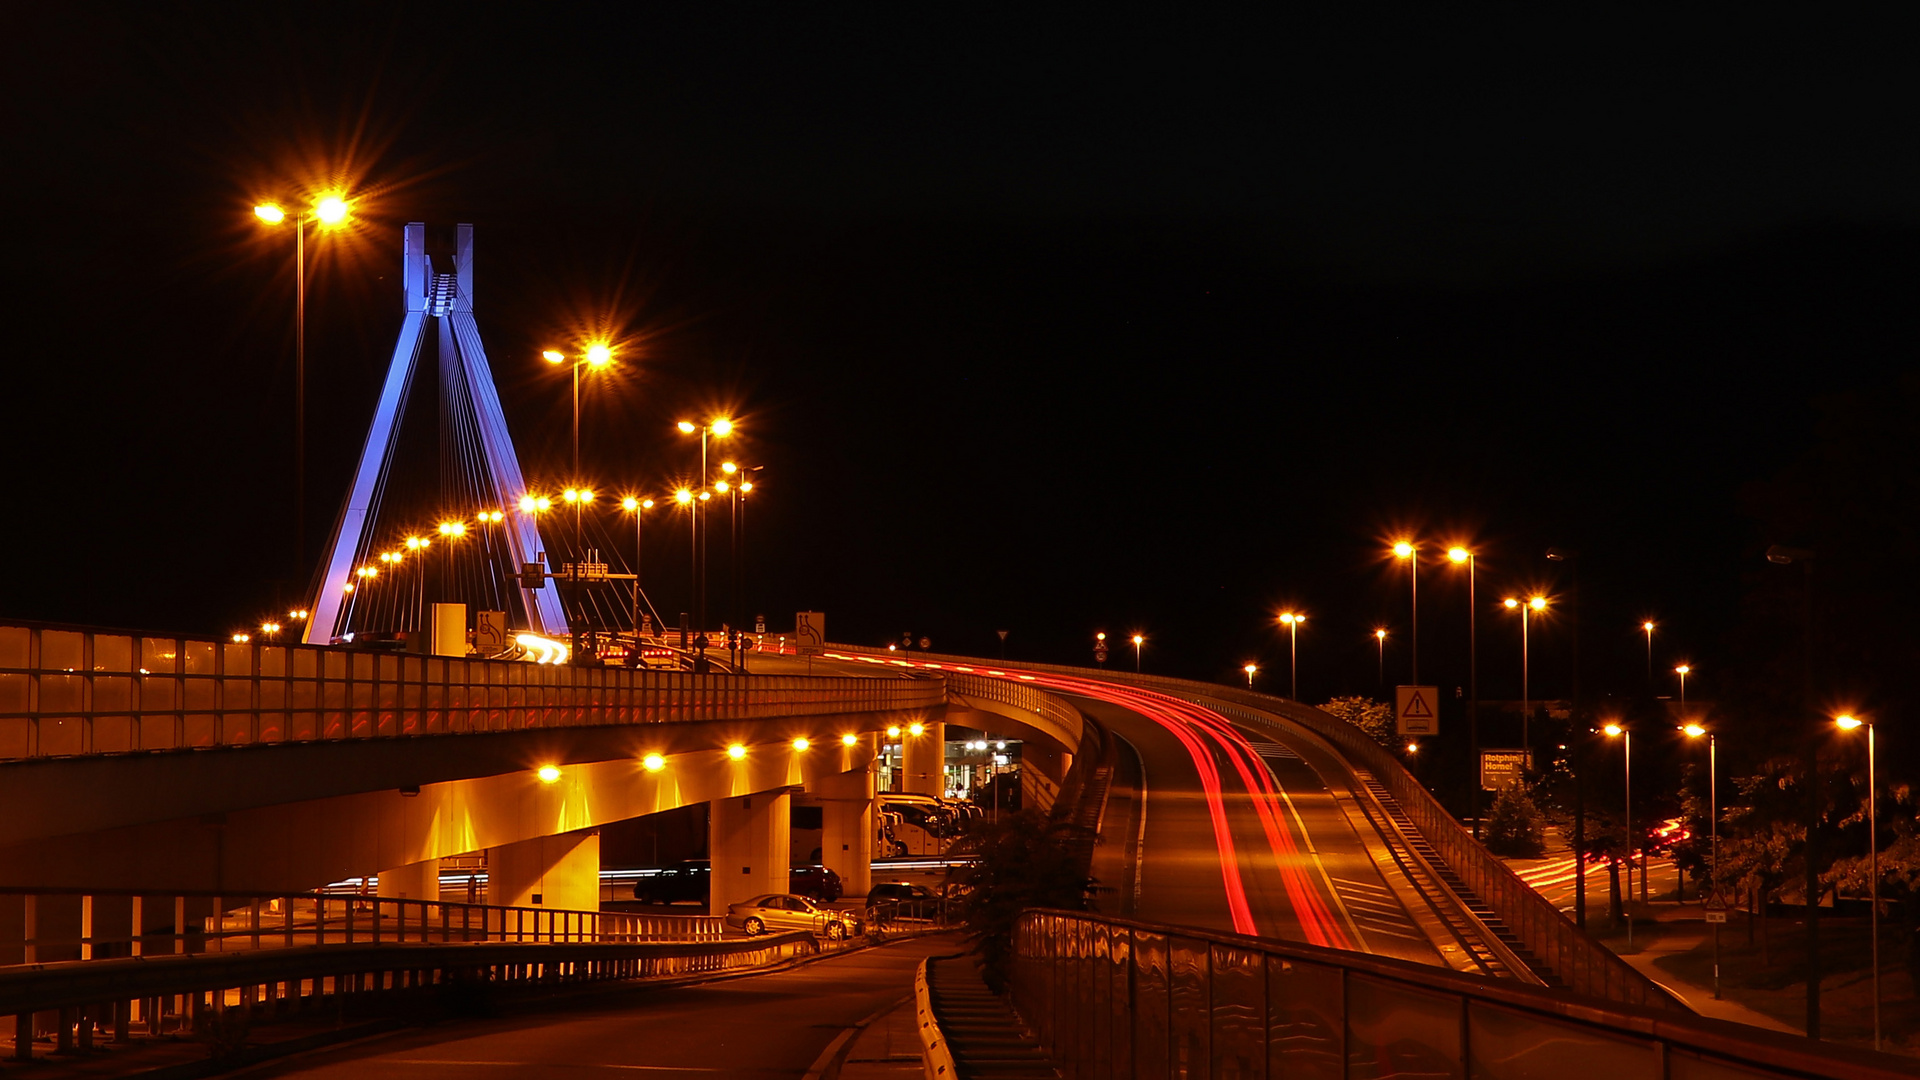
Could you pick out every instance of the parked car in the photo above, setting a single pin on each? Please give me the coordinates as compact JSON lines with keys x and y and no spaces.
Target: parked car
{"x":891,"y":892}
{"x":785,"y":911}
{"x":676,"y":884}
{"x":816,"y":882}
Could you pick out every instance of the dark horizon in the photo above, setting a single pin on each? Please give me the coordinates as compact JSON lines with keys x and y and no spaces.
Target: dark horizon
{"x":1052,"y":329}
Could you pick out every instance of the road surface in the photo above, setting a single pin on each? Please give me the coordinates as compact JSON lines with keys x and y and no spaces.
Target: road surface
{"x":754,"y":1027}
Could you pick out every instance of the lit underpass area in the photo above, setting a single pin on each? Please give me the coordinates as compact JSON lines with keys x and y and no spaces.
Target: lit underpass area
{"x":173,"y":808}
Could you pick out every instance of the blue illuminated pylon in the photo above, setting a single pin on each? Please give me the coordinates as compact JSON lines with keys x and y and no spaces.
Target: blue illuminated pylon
{"x":445,"y":299}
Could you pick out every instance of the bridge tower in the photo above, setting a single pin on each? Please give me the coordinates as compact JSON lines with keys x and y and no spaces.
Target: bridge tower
{"x":438,"y":299}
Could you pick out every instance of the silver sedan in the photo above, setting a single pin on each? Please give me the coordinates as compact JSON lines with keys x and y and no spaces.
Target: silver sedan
{"x":784,"y":911}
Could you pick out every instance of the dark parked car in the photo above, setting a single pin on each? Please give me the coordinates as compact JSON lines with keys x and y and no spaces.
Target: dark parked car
{"x":815,"y":882}
{"x":675,"y":884}
{"x":887,"y":892}
{"x":691,"y":880}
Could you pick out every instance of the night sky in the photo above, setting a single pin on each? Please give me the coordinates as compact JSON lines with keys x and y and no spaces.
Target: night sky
{"x":1052,"y":324}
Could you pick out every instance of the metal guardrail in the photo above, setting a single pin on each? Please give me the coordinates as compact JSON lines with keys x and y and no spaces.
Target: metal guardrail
{"x":159,"y":994}
{"x":175,"y":925}
{"x":76,"y":690}
{"x":1582,"y":964}
{"x":1115,"y":998}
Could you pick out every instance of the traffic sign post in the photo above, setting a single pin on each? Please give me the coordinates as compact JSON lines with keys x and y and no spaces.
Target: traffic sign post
{"x":810,"y":632}
{"x":1416,"y":710}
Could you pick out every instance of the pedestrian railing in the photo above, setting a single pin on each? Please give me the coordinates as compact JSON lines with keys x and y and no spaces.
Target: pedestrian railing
{"x":913,"y":913}
{"x":1114,"y":998}
{"x":76,"y":690}
{"x":103,"y":927}
{"x":73,"y":1003}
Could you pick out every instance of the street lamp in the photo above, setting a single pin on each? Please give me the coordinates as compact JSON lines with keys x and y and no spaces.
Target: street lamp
{"x":636,"y":506}
{"x":1380,"y":639}
{"x":1647,"y":627}
{"x":597,"y":356}
{"x":718,"y":429}
{"x":1694,"y":731}
{"x":738,"y":488}
{"x":329,"y":210}
{"x":1537,"y":603}
{"x":1626,"y":737}
{"x":452,"y":532}
{"x":1405,"y":549}
{"x":488,"y":519}
{"x":1250,"y":669}
{"x":1137,"y":641}
{"x":1458,"y":555}
{"x":1292,"y":623}
{"x":1781,"y":555}
{"x":1683,"y":671}
{"x":1850,"y":723}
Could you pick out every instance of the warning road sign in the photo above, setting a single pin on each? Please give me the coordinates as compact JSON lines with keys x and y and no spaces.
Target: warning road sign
{"x":1417,"y":709}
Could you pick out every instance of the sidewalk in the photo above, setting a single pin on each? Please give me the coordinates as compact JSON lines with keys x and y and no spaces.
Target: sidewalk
{"x":889,"y":1048}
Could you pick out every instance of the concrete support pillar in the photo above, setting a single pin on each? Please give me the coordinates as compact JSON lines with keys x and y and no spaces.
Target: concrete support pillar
{"x":924,"y":758}
{"x":846,"y":834}
{"x":749,"y":838}
{"x":415,"y":881}
{"x":561,"y":872}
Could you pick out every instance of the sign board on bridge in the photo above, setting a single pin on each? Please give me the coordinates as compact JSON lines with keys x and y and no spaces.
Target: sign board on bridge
{"x":1417,"y":709}
{"x":1500,"y":769}
{"x":489,"y":632}
{"x":810,"y":632}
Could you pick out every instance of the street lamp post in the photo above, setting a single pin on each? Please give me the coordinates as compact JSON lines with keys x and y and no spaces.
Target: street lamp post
{"x":718,"y":429}
{"x":1537,"y":603}
{"x":1781,"y":555}
{"x":1615,"y":730}
{"x":1683,"y":671}
{"x":737,"y":490}
{"x":1648,"y":628}
{"x":1694,"y":731}
{"x":636,"y":506}
{"x":1250,"y":669}
{"x":1460,"y":555}
{"x":1849,"y":723}
{"x":1380,"y":639}
{"x":1405,"y":549}
{"x":1137,"y":640}
{"x":329,"y":210}
{"x":598,"y":355}
{"x":1293,"y":623}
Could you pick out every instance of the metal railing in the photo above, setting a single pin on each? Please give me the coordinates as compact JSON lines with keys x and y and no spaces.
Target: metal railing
{"x":114,"y":926}
{"x":1582,"y":964}
{"x":1114,"y":998}
{"x":918,"y":912}
{"x":77,"y":690}
{"x":164,"y":994}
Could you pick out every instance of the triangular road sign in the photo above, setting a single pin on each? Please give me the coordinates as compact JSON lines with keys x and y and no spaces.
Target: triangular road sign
{"x":1415,"y":710}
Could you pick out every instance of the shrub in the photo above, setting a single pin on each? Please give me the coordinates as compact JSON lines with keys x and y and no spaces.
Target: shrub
{"x":1515,"y":825}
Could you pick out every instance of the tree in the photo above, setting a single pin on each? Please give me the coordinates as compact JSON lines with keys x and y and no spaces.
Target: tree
{"x":1515,"y":825}
{"x":1370,"y":716}
{"x":1024,"y":860}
